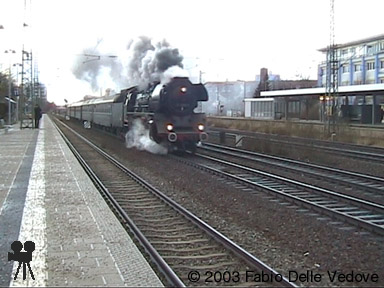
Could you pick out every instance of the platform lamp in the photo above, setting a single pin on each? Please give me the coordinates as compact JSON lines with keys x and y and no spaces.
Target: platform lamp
{"x":9,"y":87}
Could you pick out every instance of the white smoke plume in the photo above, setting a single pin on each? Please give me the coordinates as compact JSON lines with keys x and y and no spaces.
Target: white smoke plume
{"x":174,"y":71}
{"x":90,"y":67}
{"x":149,"y":61}
{"x":138,"y":137}
{"x":143,"y":62}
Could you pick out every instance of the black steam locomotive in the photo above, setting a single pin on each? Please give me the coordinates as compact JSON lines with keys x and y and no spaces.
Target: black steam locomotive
{"x":167,"y":110}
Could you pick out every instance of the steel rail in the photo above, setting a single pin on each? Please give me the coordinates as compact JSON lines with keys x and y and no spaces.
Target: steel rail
{"x":360,"y":222}
{"x":237,"y":152}
{"x":343,"y":149}
{"x":170,"y":275}
{"x":229,"y":244}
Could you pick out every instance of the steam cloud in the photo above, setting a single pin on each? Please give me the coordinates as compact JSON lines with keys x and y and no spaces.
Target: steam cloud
{"x":90,"y":68}
{"x":138,"y":136}
{"x":143,"y":62}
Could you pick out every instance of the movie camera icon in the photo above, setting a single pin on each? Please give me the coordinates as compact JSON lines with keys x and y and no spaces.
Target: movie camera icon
{"x":22,"y":257}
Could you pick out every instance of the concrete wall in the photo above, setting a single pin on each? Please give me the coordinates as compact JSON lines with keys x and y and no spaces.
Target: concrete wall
{"x":368,"y":135}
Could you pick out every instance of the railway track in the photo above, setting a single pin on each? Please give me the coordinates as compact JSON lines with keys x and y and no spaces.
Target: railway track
{"x":370,"y":154}
{"x":361,"y":183}
{"x":185,"y":249}
{"x":357,"y":212}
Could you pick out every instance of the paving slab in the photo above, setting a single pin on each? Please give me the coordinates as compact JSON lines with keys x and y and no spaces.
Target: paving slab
{"x":78,"y":240}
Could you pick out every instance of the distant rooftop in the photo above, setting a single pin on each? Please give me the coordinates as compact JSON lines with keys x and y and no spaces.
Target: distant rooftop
{"x":356,"y":42}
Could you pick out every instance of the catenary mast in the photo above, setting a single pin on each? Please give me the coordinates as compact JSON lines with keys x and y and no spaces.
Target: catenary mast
{"x":332,"y":80}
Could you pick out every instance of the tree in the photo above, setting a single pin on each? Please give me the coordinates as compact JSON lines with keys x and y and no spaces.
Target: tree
{"x":3,"y":92}
{"x":264,"y":85}
{"x":3,"y":86}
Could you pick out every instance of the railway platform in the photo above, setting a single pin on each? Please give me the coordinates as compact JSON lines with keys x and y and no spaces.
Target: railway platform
{"x":46,"y":198}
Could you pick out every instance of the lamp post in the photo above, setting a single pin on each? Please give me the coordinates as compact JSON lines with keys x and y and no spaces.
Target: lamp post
{"x":17,"y":65}
{"x":9,"y":87}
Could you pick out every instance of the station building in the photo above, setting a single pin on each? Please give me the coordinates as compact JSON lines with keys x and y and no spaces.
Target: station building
{"x":360,"y":93}
{"x":360,"y":62}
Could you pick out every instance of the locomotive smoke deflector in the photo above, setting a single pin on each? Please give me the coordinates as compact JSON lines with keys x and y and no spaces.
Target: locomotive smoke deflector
{"x":201,"y":92}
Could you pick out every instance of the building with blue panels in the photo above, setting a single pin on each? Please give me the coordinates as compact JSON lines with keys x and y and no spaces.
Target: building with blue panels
{"x":360,"y":62}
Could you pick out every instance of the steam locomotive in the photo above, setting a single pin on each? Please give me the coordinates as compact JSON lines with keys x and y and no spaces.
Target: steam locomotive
{"x":166,"y":110}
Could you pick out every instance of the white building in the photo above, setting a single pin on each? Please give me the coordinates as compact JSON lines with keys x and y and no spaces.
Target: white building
{"x":360,"y":62}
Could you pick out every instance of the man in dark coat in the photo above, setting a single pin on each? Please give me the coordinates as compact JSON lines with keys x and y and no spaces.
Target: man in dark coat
{"x":37,"y":115}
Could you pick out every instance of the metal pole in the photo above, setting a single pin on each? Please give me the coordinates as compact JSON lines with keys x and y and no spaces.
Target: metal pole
{"x":9,"y":96}
{"x":9,"y":86}
{"x":31,"y":91}
{"x":245,"y":94}
{"x":218,"y":99}
{"x":22,"y":94}
{"x":17,"y":112}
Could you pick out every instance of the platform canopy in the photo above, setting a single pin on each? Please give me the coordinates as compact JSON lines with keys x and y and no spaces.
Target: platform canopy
{"x":366,"y":89}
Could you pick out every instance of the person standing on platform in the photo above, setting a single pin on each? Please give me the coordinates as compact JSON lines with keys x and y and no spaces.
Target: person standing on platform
{"x":37,"y":115}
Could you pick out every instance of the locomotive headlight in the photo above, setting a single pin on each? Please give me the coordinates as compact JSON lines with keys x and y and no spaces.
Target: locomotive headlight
{"x":200,"y":127}
{"x":169,"y":127}
{"x":183,"y":89}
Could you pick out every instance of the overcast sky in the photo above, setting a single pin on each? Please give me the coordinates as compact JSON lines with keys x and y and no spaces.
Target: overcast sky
{"x":224,"y":39}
